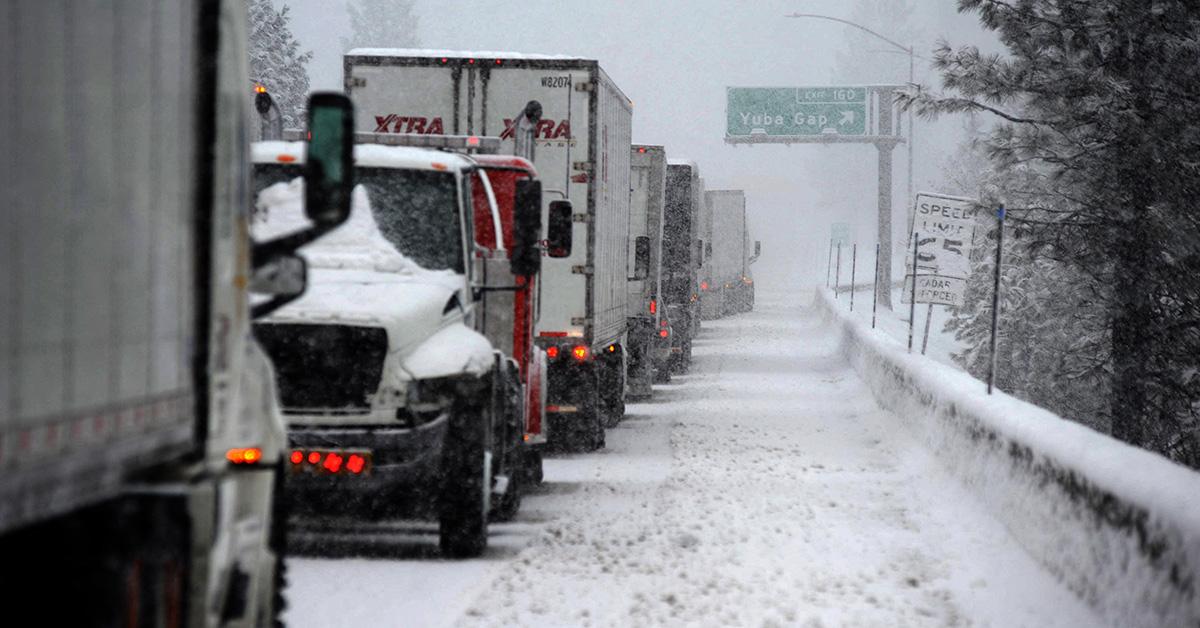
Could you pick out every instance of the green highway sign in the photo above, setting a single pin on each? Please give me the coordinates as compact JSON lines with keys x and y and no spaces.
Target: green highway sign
{"x":796,"y":111}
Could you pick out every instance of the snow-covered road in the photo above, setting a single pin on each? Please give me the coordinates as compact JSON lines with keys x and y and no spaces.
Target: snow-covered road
{"x":766,"y":488}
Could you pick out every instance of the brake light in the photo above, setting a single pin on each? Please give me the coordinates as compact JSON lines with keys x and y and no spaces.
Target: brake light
{"x":471,"y":61}
{"x":704,"y":285}
{"x":552,"y":352}
{"x":663,"y":333}
{"x":662,"y":323}
{"x":642,"y":149}
{"x":653,"y":306}
{"x":314,"y":457}
{"x":445,"y":60}
{"x":333,"y":462}
{"x":244,"y":455}
{"x":499,"y":61}
{"x":355,"y":463}
{"x":580,"y":352}
{"x":297,"y":457}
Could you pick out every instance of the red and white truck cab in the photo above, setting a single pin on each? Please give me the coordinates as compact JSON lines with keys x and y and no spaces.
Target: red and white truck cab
{"x":509,"y":317}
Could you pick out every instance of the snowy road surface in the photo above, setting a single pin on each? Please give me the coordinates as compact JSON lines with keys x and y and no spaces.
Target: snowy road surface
{"x":766,"y":488}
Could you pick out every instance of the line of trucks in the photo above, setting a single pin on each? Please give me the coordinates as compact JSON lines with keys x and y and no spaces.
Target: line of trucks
{"x":461,"y":263}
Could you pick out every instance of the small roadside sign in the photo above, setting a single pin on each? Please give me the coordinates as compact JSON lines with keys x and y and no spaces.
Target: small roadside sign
{"x":839,"y":233}
{"x":945,"y":226}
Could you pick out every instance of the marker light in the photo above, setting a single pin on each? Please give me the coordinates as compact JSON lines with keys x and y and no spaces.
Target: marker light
{"x":259,"y":89}
{"x":445,"y":60}
{"x":285,"y":159}
{"x":704,"y":285}
{"x":499,"y":61}
{"x":552,"y":352}
{"x":355,"y":463}
{"x":642,"y":149}
{"x":580,"y":352}
{"x":473,"y":140}
{"x":244,"y":455}
{"x":663,"y":333}
{"x":297,"y":457}
{"x":612,"y":348}
{"x":471,"y":61}
{"x":653,"y":306}
{"x":314,"y":457}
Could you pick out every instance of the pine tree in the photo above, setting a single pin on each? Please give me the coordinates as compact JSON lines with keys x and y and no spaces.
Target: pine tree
{"x":276,"y":61}
{"x":381,"y":24}
{"x":1096,"y":101}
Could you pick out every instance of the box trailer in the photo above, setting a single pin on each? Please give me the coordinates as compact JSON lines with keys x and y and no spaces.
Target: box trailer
{"x":579,"y":122}
{"x":681,"y":258}
{"x":648,"y":349}
{"x":140,"y":438}
{"x":731,"y":254}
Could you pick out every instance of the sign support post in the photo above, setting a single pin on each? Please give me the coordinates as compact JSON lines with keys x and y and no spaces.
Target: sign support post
{"x":925,"y":340}
{"x":912,"y":305}
{"x":853,"y":266}
{"x":837,"y":274}
{"x":996,"y":294}
{"x":875,"y":291}
{"x":829,"y":263}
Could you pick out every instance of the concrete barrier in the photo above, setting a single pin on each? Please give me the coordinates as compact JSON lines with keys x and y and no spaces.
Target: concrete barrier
{"x":1118,"y":525}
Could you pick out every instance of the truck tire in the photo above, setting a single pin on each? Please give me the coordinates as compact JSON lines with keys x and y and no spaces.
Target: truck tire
{"x":509,"y":504}
{"x":278,"y":544}
{"x":466,"y":483}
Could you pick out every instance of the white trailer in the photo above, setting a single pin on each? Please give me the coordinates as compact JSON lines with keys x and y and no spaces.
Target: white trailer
{"x":139,"y":434}
{"x":581,"y":135}
{"x":731,"y":250}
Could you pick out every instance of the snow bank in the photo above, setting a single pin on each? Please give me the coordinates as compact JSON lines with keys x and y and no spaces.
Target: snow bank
{"x":1117,"y":525}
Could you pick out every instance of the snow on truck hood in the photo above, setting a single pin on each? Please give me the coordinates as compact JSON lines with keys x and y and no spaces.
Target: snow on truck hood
{"x":356,"y":277}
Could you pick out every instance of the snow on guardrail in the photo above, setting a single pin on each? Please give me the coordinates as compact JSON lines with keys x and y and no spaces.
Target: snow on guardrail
{"x":1119,"y":526}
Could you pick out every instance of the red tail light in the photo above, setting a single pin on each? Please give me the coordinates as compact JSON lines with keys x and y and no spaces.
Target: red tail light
{"x":552,"y":352}
{"x":333,"y":462}
{"x":663,"y":333}
{"x":355,"y":463}
{"x":653,"y":306}
{"x":704,"y":285}
{"x":314,"y":457}
{"x":297,"y":457}
{"x":580,"y":352}
{"x":662,"y":323}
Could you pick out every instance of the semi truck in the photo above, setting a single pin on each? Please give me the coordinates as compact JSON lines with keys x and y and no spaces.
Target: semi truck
{"x":427,"y":417}
{"x":140,"y":437}
{"x":580,"y":126}
{"x":682,"y":256}
{"x":649,"y":346}
{"x":732,"y":286}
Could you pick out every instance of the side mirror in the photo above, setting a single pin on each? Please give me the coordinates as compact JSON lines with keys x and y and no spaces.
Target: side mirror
{"x":525,"y":258}
{"x":560,"y":230}
{"x":708,"y":250}
{"x":284,"y":278}
{"x":641,"y":258}
{"x":698,"y":253}
{"x":329,"y":163}
{"x":757,"y":251}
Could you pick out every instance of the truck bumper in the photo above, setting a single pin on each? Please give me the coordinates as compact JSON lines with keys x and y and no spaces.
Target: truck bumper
{"x":403,"y":477}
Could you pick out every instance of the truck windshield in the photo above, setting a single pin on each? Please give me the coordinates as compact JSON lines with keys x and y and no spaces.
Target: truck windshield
{"x":416,"y":210}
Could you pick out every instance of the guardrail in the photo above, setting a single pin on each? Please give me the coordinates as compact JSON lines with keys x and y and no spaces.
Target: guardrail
{"x":1119,"y":526}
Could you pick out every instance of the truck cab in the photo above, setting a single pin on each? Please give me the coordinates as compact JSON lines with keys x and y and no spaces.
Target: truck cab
{"x":397,"y":404}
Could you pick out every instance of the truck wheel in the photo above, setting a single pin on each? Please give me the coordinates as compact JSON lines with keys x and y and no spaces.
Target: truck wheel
{"x":466,"y":485}
{"x":533,"y":468}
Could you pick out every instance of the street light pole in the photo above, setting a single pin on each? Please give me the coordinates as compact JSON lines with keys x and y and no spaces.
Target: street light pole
{"x":885,"y":220}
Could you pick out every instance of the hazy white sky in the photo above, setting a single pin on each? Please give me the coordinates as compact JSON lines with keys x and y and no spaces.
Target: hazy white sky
{"x":674,"y":59}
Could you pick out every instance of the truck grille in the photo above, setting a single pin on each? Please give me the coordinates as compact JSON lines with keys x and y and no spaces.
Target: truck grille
{"x":325,"y":369}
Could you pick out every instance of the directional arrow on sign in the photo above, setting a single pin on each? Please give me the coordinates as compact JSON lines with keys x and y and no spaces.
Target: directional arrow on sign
{"x":847,"y":118}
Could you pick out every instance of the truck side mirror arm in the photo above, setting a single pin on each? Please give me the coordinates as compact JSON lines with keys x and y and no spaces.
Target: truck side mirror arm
{"x":328,"y":184}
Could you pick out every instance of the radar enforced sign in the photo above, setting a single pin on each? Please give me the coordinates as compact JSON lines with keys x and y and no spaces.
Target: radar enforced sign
{"x":945,"y":228}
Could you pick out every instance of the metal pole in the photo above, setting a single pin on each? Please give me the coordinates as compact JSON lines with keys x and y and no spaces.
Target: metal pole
{"x":996,"y":294}
{"x":912,"y":305}
{"x":853,"y":266}
{"x":837,"y":273}
{"x":884,"y":236}
{"x":875,"y":292}
{"x":925,"y":340}
{"x":829,"y":263}
{"x":908,"y":200}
